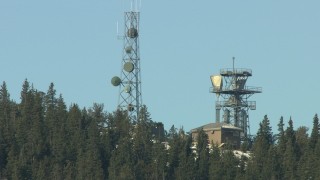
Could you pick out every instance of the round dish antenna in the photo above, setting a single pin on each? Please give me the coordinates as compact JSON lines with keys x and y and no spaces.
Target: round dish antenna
{"x":128,"y":66}
{"x":127,"y":89}
{"x":116,"y":81}
{"x":132,"y":32}
{"x":128,"y":49}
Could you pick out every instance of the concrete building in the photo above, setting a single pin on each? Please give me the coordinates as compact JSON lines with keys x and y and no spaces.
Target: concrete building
{"x":220,"y":133}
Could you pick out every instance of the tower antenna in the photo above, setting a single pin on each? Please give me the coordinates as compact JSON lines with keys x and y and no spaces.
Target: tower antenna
{"x":231,"y":86}
{"x":129,"y":82}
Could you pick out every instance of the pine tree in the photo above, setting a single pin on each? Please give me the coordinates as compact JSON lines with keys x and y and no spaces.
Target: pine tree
{"x":75,"y":138}
{"x":216,"y":170}
{"x":22,"y":164}
{"x":51,"y":119}
{"x":159,"y":159}
{"x":262,"y":144}
{"x":119,"y":130}
{"x":266,"y":131}
{"x":281,"y":137}
{"x":290,"y":154}
{"x":280,"y":149}
{"x":315,"y":132}
{"x":186,"y":167}
{"x":142,"y":144}
{"x":289,"y":161}
{"x":310,"y":161}
{"x":118,"y":127}
{"x":229,"y":164}
{"x":301,"y":141}
{"x":173,"y":153}
{"x":203,"y":156}
{"x":37,"y":138}
{"x":92,"y":156}
{"x":6,"y":127}
{"x":59,"y":141}
{"x":69,"y":171}
{"x":315,"y":162}
{"x":122,"y":166}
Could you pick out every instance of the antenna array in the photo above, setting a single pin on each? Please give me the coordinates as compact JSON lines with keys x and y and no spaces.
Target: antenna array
{"x":129,"y":82}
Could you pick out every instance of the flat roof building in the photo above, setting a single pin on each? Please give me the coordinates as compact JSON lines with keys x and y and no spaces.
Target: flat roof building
{"x":220,"y":133}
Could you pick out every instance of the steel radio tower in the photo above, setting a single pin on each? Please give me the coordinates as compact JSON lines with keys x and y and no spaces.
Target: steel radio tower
{"x":231,"y":86}
{"x":130,"y":98}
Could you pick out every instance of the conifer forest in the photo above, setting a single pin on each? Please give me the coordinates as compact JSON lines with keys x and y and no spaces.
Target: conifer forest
{"x":43,"y":138}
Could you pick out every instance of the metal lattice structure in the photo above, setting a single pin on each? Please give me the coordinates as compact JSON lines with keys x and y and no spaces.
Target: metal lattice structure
{"x":230,"y":85}
{"x":130,"y":98}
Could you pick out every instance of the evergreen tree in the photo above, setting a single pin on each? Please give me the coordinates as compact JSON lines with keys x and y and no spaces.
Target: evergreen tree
{"x":173,"y":153}
{"x":6,"y":128}
{"x":315,"y":132}
{"x":40,"y":138}
{"x":118,"y":127}
{"x":281,"y":137}
{"x":37,"y":138}
{"x":262,"y":144}
{"x":216,"y":170}
{"x":122,"y":166}
{"x":229,"y":164}
{"x":280,"y":149}
{"x":159,"y":159}
{"x":119,"y":132}
{"x":290,"y":154}
{"x":89,"y":162}
{"x":69,"y":171}
{"x":203,"y":156}
{"x":22,"y":164}
{"x":289,"y":162}
{"x":186,"y":167}
{"x":142,"y":144}
{"x":59,"y":141}
{"x":265,"y":131}
{"x":302,"y":138}
{"x":75,"y":140}
{"x":315,"y":159}
{"x":309,"y":160}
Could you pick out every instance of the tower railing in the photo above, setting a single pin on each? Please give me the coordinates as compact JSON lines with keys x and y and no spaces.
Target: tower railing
{"x":238,"y":71}
{"x":249,"y":104}
{"x":246,"y":89}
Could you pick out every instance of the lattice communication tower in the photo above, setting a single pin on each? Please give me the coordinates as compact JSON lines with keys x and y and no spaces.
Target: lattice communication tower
{"x":130,"y":98}
{"x":230,"y":85}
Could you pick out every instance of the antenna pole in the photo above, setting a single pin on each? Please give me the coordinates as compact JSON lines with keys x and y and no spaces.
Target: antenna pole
{"x":233,"y":63}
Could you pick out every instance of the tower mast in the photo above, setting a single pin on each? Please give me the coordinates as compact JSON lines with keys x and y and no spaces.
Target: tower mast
{"x":231,"y":86}
{"x":129,"y":82}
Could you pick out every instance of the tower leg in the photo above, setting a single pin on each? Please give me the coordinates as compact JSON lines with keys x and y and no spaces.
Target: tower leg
{"x":217,"y":115}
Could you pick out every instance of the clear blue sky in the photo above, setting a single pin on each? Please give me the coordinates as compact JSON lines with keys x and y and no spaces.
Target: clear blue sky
{"x":73,"y":43}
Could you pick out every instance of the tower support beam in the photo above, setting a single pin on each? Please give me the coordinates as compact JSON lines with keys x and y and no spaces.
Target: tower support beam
{"x":231,"y":86}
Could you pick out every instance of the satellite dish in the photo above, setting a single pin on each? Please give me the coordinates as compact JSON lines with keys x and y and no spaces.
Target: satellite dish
{"x":132,"y":32}
{"x":127,"y":89}
{"x":217,"y":82}
{"x":128,"y":66}
{"x":128,"y":49}
{"x":116,"y":81}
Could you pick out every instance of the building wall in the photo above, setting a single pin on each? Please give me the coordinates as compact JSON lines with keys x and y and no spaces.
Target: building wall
{"x":214,"y":136}
{"x":223,"y":135}
{"x":231,"y":137}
